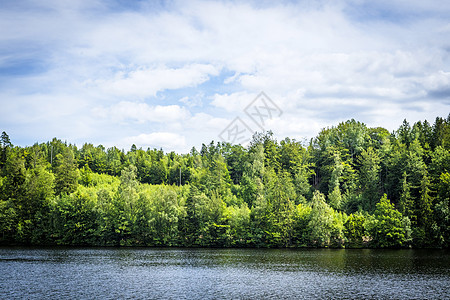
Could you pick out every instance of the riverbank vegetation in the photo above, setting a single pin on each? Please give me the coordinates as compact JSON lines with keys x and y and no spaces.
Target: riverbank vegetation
{"x":351,"y":186}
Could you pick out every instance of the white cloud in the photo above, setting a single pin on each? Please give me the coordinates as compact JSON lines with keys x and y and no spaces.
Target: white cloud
{"x":235,"y":102}
{"x":142,"y":112}
{"x":362,"y":74}
{"x":165,"y":140}
{"x":193,"y":101}
{"x":206,"y":125}
{"x":144,"y":82}
{"x":437,"y":81}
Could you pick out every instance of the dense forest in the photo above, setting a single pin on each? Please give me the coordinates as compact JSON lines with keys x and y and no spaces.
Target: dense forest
{"x":351,"y":186}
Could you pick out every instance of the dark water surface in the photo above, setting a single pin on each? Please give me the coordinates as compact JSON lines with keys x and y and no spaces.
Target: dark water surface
{"x":149,"y":273}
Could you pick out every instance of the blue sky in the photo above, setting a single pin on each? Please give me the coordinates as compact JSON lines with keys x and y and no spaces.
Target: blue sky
{"x":175,"y":74}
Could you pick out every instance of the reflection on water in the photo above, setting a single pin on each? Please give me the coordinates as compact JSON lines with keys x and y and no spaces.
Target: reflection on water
{"x":223,"y":273}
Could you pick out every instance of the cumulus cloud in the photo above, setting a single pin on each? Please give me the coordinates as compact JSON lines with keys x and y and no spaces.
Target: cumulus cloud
{"x":234,"y":102}
{"x":141,"y":112}
{"x":144,"y":82}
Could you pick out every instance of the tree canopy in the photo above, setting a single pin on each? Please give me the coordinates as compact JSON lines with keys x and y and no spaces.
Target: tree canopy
{"x":351,"y":186}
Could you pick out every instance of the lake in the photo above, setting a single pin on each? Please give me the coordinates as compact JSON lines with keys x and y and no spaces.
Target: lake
{"x":176,"y":273}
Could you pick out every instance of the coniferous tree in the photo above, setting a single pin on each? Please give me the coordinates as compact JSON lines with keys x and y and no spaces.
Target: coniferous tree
{"x":66,"y":172}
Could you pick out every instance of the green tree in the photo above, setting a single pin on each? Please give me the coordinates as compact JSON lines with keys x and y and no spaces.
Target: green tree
{"x":8,"y":221}
{"x":325,"y":226}
{"x":165,"y":214}
{"x":114,"y":161}
{"x":126,"y":205}
{"x":387,"y":228}
{"x":355,"y":230}
{"x":34,"y":206}
{"x":281,"y":208}
{"x":369,"y":178}
{"x":440,"y":163}
{"x":66,"y":173}
{"x":406,"y":203}
{"x":205,"y":219}
{"x":423,"y":234}
{"x":404,"y":133}
{"x":75,"y":219}
{"x":239,"y":222}
{"x":236,"y":160}
{"x":442,"y":210}
{"x":14,"y":173}
{"x":5,"y":145}
{"x":251,"y":182}
{"x":268,"y":195}
{"x":302,"y":216}
{"x":335,"y":198}
{"x":336,"y":172}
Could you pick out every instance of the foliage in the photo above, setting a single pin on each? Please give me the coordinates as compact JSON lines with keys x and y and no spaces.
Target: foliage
{"x":271,"y":194}
{"x":387,"y":226}
{"x":326,"y":226}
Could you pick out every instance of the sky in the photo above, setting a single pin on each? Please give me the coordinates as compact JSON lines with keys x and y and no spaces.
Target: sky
{"x":176,"y":74}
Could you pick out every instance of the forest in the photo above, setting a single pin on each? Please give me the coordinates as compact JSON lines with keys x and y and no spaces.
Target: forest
{"x":351,"y":186}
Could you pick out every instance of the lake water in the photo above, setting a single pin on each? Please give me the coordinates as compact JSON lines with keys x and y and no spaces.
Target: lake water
{"x":149,"y":273}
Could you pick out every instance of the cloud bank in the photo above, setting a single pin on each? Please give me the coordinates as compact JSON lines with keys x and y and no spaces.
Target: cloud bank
{"x":174,"y":75}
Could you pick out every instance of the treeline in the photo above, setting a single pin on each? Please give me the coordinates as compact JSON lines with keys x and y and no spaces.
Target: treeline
{"x":352,"y":186}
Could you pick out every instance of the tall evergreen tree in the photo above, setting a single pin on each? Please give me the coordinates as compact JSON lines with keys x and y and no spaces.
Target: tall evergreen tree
{"x":66,"y":172}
